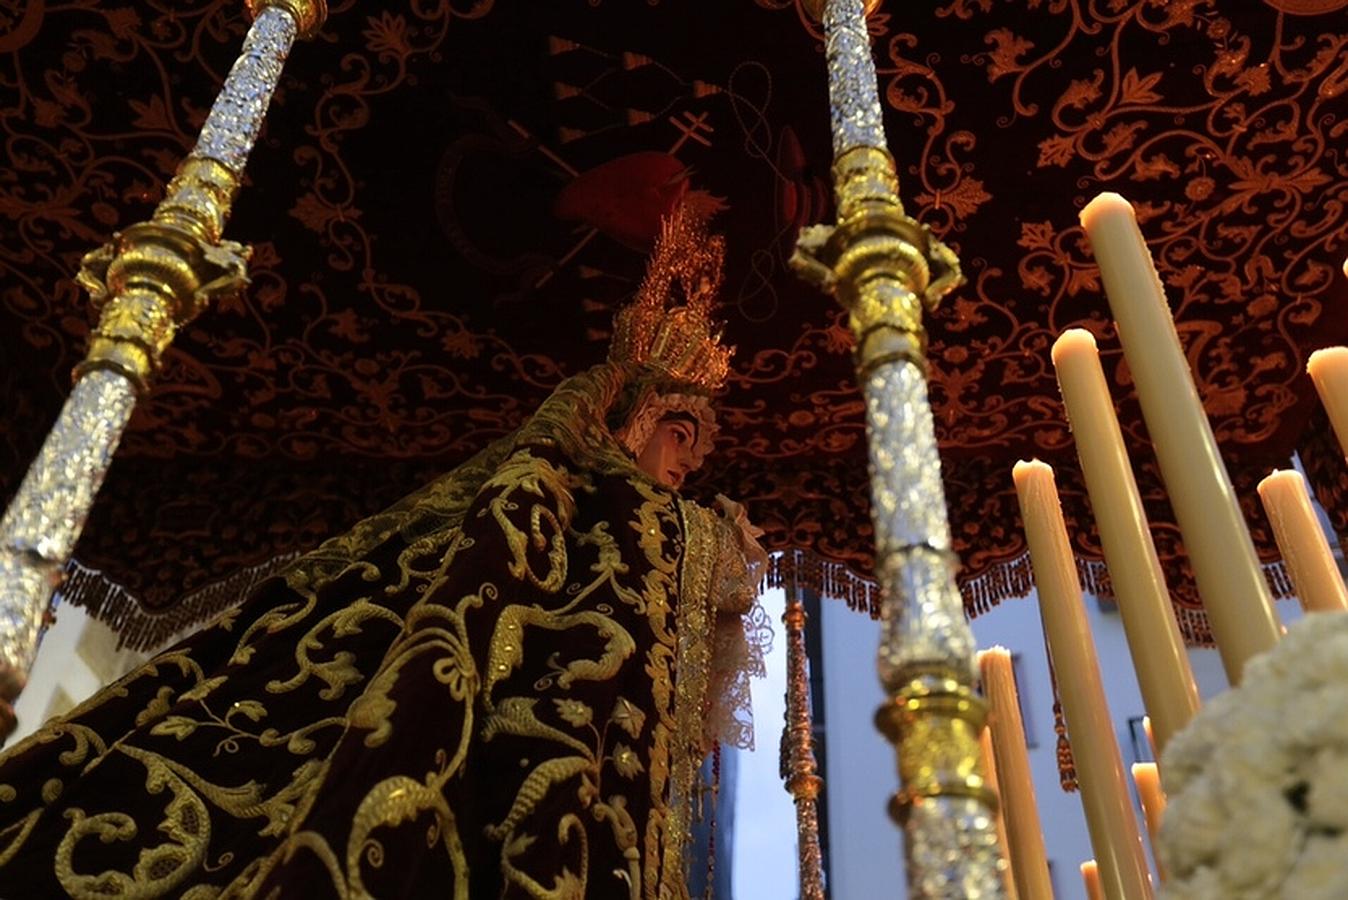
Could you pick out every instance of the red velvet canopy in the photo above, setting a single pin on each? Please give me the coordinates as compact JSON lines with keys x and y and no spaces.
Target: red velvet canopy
{"x":451,"y":198}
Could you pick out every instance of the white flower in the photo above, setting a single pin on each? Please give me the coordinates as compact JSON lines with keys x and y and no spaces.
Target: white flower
{"x":1327,"y":794}
{"x":1320,"y":873}
{"x":1258,"y":782}
{"x":1268,"y":840}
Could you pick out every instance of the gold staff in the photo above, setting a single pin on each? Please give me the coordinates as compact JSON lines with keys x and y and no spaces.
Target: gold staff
{"x":802,"y":781}
{"x":884,"y":267}
{"x":148,"y":282}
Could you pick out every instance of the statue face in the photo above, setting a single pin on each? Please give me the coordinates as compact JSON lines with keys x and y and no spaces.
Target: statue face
{"x":668,"y":456}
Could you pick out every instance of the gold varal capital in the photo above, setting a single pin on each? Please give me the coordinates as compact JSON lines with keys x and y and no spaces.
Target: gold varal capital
{"x":934,"y":722}
{"x":309,"y":15}
{"x":149,"y":281}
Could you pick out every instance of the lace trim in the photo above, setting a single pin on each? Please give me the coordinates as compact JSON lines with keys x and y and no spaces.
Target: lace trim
{"x":742,"y":636}
{"x":636,"y":433}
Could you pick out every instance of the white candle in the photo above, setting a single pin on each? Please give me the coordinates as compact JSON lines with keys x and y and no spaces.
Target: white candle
{"x":1230,"y":580}
{"x":1148,"y":781}
{"x":1115,"y":837}
{"x":1329,"y":372}
{"x":1302,"y":542}
{"x":1020,"y":810}
{"x":1090,"y":874}
{"x":1160,"y":660}
{"x":994,"y":784}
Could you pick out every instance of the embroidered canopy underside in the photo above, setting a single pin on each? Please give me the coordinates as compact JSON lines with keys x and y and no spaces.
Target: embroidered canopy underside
{"x":451,"y":199}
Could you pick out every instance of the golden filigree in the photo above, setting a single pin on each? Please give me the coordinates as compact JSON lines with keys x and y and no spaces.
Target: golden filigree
{"x":522,"y":473}
{"x":508,"y":636}
{"x":158,"y":869}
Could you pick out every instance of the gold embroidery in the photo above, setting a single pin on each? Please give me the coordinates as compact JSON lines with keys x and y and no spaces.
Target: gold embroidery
{"x":340,"y":671}
{"x":507,"y":645}
{"x":523,"y":472}
{"x":23,"y":828}
{"x":656,"y":513}
{"x":629,"y":717}
{"x":158,"y":869}
{"x":625,"y":761}
{"x":625,"y":837}
{"x":535,"y":788}
{"x":392,"y":802}
{"x":515,"y":715}
{"x":566,"y":885}
{"x":573,"y":712}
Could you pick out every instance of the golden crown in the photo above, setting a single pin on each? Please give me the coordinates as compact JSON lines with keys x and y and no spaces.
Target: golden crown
{"x":681,"y":342}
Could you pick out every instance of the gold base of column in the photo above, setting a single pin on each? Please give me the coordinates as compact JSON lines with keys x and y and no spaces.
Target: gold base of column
{"x":934,"y":722}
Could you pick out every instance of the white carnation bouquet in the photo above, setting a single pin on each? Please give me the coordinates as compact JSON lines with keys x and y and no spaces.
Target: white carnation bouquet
{"x":1257,"y":784}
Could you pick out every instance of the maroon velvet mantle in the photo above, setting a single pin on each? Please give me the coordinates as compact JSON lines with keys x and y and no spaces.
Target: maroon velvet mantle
{"x":414,"y":295}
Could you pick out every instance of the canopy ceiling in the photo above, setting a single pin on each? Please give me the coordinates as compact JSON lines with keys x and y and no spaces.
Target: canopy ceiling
{"x":449,"y":202}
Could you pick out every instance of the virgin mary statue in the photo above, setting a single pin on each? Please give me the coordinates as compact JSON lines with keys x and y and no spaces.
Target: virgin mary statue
{"x":503,"y":686}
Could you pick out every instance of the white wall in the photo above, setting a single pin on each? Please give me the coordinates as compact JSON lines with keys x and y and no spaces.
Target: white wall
{"x":765,"y":816}
{"x":77,"y":656}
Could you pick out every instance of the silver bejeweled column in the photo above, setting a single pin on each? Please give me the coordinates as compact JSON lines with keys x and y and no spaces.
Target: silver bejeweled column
{"x":149,"y":281}
{"x":885,"y":268}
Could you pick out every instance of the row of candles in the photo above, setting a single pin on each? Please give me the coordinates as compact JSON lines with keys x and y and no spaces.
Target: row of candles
{"x":1229,"y":578}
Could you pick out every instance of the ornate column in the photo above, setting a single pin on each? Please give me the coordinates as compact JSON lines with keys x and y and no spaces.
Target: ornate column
{"x":802,"y":779}
{"x":148,"y":282}
{"x":885,"y":267}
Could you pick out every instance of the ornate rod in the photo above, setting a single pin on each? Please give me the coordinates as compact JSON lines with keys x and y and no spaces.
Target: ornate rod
{"x":884,"y":267}
{"x":802,"y":782}
{"x":149,"y":281}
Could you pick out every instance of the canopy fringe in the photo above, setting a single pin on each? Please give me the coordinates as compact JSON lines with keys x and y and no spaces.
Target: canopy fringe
{"x":145,"y":630}
{"x":140,"y":629}
{"x":828,"y":578}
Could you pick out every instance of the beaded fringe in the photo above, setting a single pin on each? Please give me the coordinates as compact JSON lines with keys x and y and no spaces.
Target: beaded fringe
{"x":1015,"y":578}
{"x":145,"y":630}
{"x":139,"y":629}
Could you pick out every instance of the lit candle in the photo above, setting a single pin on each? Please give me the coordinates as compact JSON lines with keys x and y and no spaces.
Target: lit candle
{"x":990,"y":768}
{"x":1090,"y":874}
{"x":1148,"y":781}
{"x":1230,"y":580}
{"x":1329,"y":372}
{"x":1159,"y":658}
{"x":1302,"y":542}
{"x":1151,"y":737}
{"x":1115,"y":837}
{"x":1020,"y":810}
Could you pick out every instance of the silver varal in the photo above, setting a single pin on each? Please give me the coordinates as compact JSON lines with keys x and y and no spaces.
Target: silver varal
{"x":922,"y":616}
{"x":49,"y":509}
{"x":236,"y":118}
{"x":27,"y":583}
{"x":952,"y":850}
{"x":45,"y":517}
{"x":854,"y":97}
{"x":906,"y":490}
